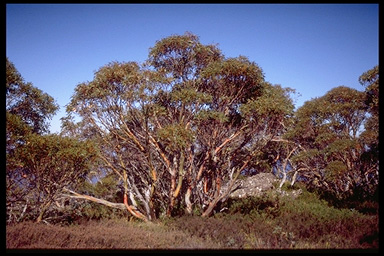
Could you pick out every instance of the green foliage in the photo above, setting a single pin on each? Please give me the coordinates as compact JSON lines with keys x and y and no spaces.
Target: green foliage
{"x":273,"y":101}
{"x":236,"y":78}
{"x":340,"y":112}
{"x":182,"y":56}
{"x":28,"y":102}
{"x":287,"y":186}
{"x":267,"y":206}
{"x":17,"y":132}
{"x":188,"y":95}
{"x":335,"y":169}
{"x":175,"y":137}
{"x":370,"y":79}
{"x":37,"y":164}
{"x":52,"y":154}
{"x":103,"y":188}
{"x":216,"y":116}
{"x":370,"y":136}
{"x":45,"y":165}
{"x":94,"y":211}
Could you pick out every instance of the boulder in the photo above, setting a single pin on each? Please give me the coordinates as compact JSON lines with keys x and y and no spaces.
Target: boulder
{"x":255,"y":185}
{"x":259,"y":184}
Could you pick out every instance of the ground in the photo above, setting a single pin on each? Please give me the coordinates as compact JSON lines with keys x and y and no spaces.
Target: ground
{"x":111,"y":234}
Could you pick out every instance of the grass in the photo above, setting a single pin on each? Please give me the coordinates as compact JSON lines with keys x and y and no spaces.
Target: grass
{"x":104,"y":234}
{"x":267,"y":223}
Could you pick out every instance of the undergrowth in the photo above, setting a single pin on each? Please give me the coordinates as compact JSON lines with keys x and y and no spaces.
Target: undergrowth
{"x":271,"y":222}
{"x":280,"y":222}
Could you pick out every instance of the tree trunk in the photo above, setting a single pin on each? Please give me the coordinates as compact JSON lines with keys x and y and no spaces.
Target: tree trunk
{"x":188,"y":201}
{"x":213,"y":203}
{"x":294,"y":178}
{"x":284,"y":179}
{"x":42,"y":211}
{"x":219,"y":197}
{"x":135,"y":213}
{"x":172,"y":194}
{"x":210,"y":208}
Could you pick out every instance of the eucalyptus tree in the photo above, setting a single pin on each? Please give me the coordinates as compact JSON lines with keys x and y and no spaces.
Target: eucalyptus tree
{"x":38,"y":165}
{"x":370,"y":136}
{"x":49,"y":164}
{"x":177,"y":128}
{"x":328,"y":131}
{"x":27,"y":111}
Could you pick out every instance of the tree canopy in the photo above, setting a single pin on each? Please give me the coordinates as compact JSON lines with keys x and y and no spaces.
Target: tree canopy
{"x":27,"y":102}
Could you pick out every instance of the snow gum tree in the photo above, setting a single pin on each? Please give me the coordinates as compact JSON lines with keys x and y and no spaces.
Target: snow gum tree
{"x":336,"y":153}
{"x":38,"y":165}
{"x":178,"y":130}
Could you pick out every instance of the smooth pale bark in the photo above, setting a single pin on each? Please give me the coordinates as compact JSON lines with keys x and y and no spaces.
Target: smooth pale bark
{"x":121,"y":206}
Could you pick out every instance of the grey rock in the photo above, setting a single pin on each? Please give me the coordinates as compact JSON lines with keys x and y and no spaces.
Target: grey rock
{"x":258,"y":185}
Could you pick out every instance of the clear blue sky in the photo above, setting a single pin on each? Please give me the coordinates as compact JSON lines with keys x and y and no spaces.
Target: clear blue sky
{"x":311,"y":48}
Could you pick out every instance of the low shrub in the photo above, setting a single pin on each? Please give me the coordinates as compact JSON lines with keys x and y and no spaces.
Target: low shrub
{"x":269,"y":205}
{"x":314,"y":221}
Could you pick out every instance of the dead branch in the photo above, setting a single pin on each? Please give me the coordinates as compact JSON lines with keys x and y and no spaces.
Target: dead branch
{"x":93,"y":199}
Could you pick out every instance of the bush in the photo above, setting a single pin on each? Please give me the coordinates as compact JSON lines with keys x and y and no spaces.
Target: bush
{"x":269,"y":205}
{"x":314,"y":221}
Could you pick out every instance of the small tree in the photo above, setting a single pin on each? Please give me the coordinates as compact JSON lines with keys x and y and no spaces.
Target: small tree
{"x":50,"y":163}
{"x":38,"y":165}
